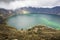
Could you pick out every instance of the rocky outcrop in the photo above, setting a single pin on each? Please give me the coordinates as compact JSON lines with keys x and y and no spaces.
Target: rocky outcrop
{"x":35,"y":33}
{"x":7,"y":32}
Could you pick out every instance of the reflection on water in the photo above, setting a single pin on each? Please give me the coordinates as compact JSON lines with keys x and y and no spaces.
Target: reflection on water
{"x":30,"y":20}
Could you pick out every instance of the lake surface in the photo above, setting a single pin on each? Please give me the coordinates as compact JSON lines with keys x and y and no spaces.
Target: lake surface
{"x":27,"y":21}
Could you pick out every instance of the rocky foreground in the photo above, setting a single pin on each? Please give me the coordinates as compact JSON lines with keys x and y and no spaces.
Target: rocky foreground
{"x":35,"y":33}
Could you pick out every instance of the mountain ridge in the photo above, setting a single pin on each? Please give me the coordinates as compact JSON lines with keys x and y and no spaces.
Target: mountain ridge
{"x":54,"y":10}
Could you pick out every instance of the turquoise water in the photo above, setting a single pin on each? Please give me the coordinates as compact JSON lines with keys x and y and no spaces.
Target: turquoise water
{"x":29,"y":20}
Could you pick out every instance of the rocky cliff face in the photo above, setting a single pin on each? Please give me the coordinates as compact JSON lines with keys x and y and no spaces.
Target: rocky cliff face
{"x":5,"y":13}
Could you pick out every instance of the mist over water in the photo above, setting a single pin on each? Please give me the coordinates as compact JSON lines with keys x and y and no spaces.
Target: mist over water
{"x":27,"y":21}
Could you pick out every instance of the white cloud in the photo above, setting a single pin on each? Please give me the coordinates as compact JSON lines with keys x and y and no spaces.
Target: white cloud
{"x":30,"y":3}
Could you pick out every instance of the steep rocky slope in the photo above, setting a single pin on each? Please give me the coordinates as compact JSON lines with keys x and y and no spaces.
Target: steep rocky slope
{"x":36,"y":33}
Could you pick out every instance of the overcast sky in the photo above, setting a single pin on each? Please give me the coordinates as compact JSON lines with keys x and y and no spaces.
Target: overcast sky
{"x":13,"y":4}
